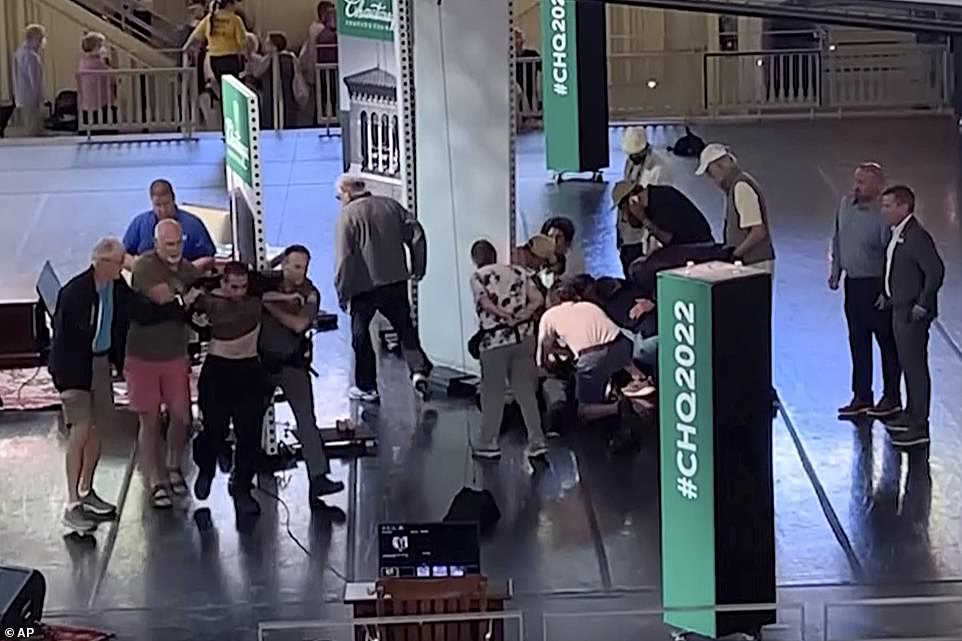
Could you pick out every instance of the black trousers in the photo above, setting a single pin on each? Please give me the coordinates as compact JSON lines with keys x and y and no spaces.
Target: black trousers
{"x":912,"y":341}
{"x":865,"y":320}
{"x":392,"y":302}
{"x":222,"y":66}
{"x":231,"y":391}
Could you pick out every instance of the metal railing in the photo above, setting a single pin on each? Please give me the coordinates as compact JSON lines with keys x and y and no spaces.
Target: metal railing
{"x":326,"y":95}
{"x":528,"y":88}
{"x":137,"y":100}
{"x":787,"y":83}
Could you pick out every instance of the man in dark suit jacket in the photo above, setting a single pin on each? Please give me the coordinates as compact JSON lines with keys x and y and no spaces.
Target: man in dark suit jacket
{"x":913,"y":276}
{"x":89,"y":336}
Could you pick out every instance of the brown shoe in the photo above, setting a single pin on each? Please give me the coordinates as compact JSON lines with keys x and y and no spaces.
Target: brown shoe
{"x":857,"y":407}
{"x":886,"y":407}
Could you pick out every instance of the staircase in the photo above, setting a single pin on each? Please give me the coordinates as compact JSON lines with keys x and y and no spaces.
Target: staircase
{"x":150,"y":27}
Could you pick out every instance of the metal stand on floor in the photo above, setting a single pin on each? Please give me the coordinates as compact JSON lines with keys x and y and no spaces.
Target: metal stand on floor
{"x":562,"y":176}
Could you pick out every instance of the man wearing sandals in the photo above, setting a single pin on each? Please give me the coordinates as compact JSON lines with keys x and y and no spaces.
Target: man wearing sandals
{"x":157,"y":368}
{"x":233,"y":383}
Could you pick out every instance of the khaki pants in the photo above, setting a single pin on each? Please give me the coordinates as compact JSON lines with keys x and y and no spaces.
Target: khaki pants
{"x":514,"y":364}
{"x":96,"y":406}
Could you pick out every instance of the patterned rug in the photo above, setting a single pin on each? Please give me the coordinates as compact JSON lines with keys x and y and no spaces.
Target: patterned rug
{"x":33,"y":390}
{"x":66,"y":633}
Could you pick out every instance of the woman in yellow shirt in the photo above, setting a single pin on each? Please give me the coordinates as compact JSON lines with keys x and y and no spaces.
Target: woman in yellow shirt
{"x":226,"y":38}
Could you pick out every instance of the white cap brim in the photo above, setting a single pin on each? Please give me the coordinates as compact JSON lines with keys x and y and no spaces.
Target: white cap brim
{"x":711,"y":153}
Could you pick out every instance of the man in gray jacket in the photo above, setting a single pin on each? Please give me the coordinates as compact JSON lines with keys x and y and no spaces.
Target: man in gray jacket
{"x":371,"y":275}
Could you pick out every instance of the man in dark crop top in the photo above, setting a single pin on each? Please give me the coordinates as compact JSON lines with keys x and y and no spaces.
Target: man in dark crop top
{"x":233,"y":384}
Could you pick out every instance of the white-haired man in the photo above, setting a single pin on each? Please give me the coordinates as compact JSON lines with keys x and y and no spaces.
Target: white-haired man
{"x":157,"y":368}
{"x":90,"y":325}
{"x":28,"y":78}
{"x":371,"y":275}
{"x":747,"y":234}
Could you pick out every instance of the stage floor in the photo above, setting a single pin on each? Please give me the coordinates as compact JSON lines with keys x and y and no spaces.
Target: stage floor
{"x":855,"y":518}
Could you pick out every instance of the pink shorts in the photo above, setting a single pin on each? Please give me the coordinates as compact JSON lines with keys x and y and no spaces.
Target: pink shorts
{"x":151,"y":384}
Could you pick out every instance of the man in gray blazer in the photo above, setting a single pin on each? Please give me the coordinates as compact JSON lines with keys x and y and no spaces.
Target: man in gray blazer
{"x":913,"y":276}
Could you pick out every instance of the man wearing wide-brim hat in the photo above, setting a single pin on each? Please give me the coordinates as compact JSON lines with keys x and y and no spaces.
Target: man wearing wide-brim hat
{"x":664,"y":212}
{"x":643,"y":167}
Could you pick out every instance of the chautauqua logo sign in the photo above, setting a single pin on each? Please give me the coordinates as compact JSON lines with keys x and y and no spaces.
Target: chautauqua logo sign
{"x":372,"y":19}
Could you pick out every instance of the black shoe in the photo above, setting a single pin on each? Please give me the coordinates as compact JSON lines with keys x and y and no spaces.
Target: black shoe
{"x":245,"y":504}
{"x":202,"y":487}
{"x":885,"y":408}
{"x":322,"y":486}
{"x":910,"y":438}
{"x":857,"y":407}
{"x":225,"y":460}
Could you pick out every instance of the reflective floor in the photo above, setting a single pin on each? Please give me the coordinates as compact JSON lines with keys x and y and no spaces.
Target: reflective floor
{"x":855,"y":518}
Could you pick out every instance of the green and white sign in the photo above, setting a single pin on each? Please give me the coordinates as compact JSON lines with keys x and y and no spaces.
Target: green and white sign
{"x":561,"y":117}
{"x":371,"y":19}
{"x":687,"y":451}
{"x":240,"y":119}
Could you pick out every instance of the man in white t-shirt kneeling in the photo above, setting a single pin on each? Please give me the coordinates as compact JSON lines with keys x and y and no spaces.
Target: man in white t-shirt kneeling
{"x":599,"y":347}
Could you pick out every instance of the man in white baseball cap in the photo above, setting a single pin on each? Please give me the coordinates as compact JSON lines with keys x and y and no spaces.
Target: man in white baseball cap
{"x":746,"y":216}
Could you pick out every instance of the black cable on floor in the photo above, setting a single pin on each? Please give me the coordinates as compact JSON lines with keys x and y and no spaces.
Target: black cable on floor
{"x":293,"y":537}
{"x":24,"y":384}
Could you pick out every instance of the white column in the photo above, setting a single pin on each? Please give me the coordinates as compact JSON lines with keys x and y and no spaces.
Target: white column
{"x":463,"y":159}
{"x":751,"y":78}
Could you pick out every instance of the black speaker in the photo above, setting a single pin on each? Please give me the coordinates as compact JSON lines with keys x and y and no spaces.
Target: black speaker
{"x":21,"y":597}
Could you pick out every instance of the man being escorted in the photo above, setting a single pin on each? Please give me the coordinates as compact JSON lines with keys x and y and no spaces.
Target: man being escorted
{"x":139,"y":239}
{"x":371,"y":275}
{"x":913,"y":277}
{"x":89,"y":336}
{"x":858,"y":253}
{"x":157,"y":368}
{"x":285,"y":350}
{"x":233,"y":385}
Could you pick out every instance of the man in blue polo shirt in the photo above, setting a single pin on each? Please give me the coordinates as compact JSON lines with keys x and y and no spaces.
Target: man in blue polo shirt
{"x":139,"y":239}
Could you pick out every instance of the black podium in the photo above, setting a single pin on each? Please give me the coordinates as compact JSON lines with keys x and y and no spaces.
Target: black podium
{"x":717,"y":500}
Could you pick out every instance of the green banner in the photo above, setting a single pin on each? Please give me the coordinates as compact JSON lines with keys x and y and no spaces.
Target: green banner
{"x":371,"y":19}
{"x":560,"y":53}
{"x":687,"y":450}
{"x":240,"y":107}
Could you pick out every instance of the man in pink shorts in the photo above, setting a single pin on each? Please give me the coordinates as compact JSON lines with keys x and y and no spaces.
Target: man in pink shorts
{"x":157,"y":368}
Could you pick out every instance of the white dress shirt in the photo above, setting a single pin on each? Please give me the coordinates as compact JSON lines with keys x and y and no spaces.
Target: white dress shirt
{"x":890,"y":252}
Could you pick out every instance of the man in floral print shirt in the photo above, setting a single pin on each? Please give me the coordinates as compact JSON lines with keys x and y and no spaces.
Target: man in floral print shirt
{"x":506,"y":301}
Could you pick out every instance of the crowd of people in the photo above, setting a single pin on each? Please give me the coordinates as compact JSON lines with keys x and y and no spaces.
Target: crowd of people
{"x":569,"y":348}
{"x":140,"y":325}
{"x":221,"y":40}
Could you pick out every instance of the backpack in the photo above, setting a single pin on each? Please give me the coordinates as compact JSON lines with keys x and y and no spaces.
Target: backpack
{"x":64,"y":116}
{"x":688,"y":146}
